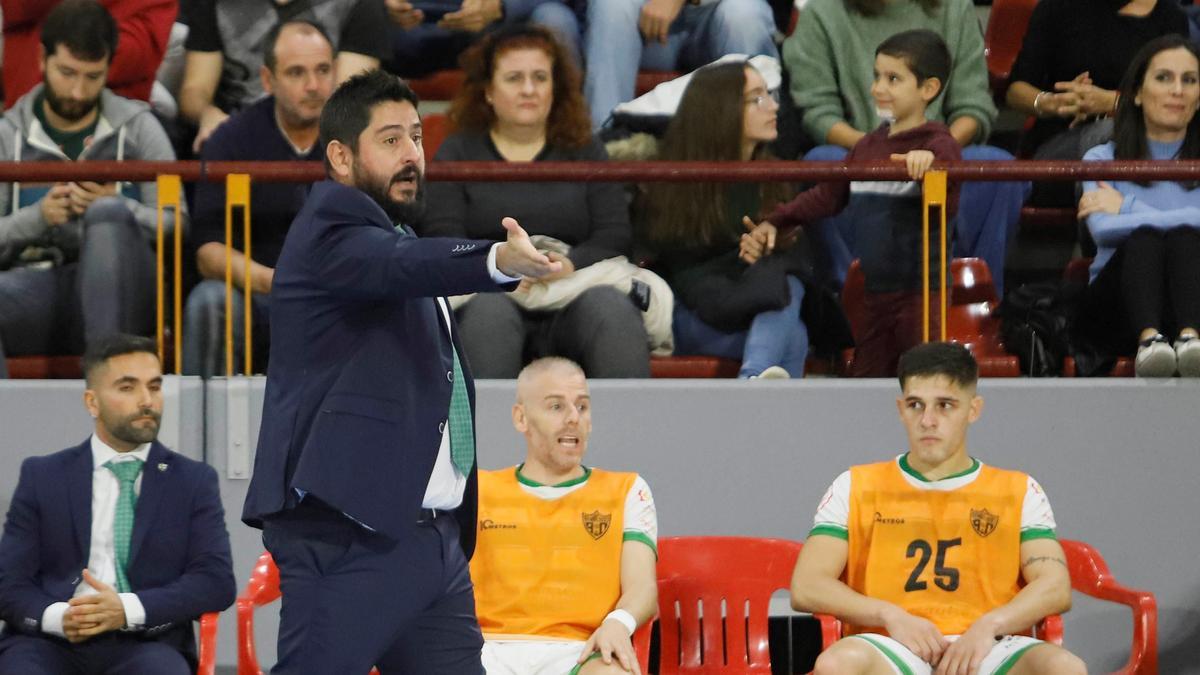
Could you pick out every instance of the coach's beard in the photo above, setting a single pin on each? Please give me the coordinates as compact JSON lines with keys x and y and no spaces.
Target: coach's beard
{"x":401,"y":212}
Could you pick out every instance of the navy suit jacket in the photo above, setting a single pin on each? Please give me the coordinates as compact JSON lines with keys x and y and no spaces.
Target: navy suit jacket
{"x":359,"y":385}
{"x":179,"y":561}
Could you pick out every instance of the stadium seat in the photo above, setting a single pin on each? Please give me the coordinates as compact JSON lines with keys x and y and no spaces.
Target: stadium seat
{"x":262,"y":589}
{"x":713,"y":601}
{"x":44,"y":367}
{"x":1002,"y":40}
{"x":435,"y":127}
{"x":207,"y":651}
{"x":1077,"y":272}
{"x":693,"y":367}
{"x":969,"y":319}
{"x":1090,"y":576}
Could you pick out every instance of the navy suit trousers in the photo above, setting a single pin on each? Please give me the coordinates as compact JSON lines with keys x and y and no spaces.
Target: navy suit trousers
{"x":108,"y":654}
{"x":353,"y":599}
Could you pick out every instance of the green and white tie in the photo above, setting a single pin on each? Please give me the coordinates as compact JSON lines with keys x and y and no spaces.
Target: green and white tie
{"x":126,"y":473}
{"x":462,"y":434}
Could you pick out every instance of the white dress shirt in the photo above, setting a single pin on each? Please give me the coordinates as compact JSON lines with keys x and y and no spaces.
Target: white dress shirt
{"x":102,"y":557}
{"x":446,"y":484}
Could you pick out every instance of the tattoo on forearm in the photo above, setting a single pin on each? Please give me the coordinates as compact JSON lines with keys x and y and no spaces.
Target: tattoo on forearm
{"x":1044,"y":558}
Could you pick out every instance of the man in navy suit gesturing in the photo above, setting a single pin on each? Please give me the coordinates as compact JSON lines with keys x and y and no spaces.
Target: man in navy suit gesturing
{"x":365,"y":480}
{"x":113,"y":548}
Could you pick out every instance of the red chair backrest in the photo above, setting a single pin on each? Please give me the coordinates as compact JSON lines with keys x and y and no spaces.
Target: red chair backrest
{"x":435,"y":127}
{"x":713,"y":599}
{"x":1005,"y":32}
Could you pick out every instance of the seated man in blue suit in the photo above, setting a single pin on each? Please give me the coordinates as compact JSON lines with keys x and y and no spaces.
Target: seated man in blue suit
{"x":113,"y":548}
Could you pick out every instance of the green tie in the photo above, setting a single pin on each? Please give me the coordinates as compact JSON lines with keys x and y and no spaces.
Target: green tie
{"x":126,"y":473}
{"x":462,"y":435}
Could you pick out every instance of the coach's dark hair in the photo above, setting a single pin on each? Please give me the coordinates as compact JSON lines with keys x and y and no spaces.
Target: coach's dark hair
{"x":932,"y":359}
{"x":118,"y":344}
{"x":348,"y":110}
{"x":84,"y":27}
{"x":269,"y":58}
{"x":923,"y":51}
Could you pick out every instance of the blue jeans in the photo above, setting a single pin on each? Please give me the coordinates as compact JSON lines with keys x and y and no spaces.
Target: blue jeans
{"x":204,"y":329}
{"x":64,"y":308}
{"x":427,"y":48}
{"x":775,"y":338}
{"x":988,"y":214}
{"x":614,"y":49}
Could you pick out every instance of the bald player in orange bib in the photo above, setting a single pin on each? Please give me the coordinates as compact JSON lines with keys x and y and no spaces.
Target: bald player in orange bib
{"x":935,"y":561}
{"x":564,"y":567}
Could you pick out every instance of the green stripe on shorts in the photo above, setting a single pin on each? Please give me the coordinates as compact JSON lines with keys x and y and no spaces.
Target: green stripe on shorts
{"x":896,"y":660}
{"x":1012,"y":660}
{"x":575,"y":670}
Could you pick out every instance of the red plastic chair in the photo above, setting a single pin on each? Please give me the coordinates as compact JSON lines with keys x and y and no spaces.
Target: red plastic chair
{"x":969,"y":319}
{"x":713,"y":602}
{"x":435,"y":126}
{"x":262,"y":589}
{"x":207,"y":650}
{"x":44,"y":367}
{"x":1002,"y":40}
{"x":1090,"y":576}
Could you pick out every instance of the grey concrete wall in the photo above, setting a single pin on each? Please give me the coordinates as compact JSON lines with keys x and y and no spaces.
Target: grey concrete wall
{"x":1119,"y":459}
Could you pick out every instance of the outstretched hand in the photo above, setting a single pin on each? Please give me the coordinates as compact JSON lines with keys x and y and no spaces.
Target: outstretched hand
{"x":517,"y":257}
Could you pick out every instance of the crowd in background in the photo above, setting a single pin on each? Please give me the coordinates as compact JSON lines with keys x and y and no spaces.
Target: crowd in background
{"x":224,"y":80}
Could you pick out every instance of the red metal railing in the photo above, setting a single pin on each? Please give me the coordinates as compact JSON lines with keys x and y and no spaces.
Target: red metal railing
{"x":648,"y":171}
{"x":239,"y":173}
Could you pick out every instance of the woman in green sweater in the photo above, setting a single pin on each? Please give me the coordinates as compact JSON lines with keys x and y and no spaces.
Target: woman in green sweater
{"x":830,"y":57}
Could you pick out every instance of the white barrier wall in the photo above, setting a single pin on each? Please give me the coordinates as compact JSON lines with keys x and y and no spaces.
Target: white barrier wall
{"x":1120,"y":461}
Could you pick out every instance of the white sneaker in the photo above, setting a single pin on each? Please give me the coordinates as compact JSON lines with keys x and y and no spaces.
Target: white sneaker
{"x":773,"y":373}
{"x":1155,"y":358}
{"x":1187,"y":356}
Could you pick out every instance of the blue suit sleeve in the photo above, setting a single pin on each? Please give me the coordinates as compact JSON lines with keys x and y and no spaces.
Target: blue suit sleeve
{"x":21,"y":598}
{"x":354,"y":259}
{"x":207,"y":583}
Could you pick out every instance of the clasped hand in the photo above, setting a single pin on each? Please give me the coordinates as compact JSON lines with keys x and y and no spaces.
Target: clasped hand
{"x":90,"y":615}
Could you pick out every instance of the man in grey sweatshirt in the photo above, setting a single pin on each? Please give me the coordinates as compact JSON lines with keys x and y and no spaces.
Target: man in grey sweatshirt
{"x":76,"y":262}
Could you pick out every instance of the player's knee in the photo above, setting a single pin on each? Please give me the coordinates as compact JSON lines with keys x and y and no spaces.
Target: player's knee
{"x":844,"y":657}
{"x":1062,"y":662}
{"x":599,"y":667}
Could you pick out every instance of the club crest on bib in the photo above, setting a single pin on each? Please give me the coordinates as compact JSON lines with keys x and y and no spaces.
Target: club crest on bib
{"x":984,"y":522}
{"x":596,"y":523}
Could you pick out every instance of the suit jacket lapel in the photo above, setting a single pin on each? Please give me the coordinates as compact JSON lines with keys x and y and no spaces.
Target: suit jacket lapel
{"x":154,"y":486}
{"x":79,"y":491}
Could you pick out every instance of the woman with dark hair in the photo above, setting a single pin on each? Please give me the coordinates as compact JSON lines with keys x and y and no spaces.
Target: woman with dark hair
{"x":1145,"y":279}
{"x":1072,"y":59}
{"x":738,"y":294}
{"x":521,"y":102}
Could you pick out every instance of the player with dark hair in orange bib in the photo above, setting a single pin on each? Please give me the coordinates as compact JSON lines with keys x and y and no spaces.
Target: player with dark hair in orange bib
{"x":935,"y":561}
